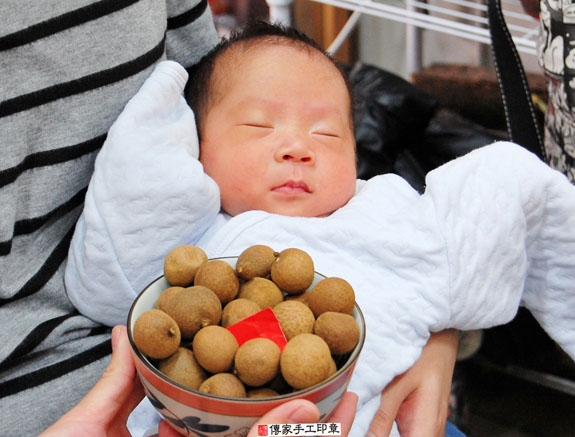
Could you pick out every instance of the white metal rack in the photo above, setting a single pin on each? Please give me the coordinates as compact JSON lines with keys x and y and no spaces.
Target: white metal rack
{"x":461,"y":18}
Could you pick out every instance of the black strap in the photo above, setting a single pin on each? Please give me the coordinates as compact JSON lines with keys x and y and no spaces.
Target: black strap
{"x":522,"y":124}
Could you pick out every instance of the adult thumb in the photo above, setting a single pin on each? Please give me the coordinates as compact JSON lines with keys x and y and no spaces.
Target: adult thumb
{"x":296,"y":411}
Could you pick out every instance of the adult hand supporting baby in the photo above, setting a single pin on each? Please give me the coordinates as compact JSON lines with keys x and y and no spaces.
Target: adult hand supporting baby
{"x":105,"y":409}
{"x":418,"y":399}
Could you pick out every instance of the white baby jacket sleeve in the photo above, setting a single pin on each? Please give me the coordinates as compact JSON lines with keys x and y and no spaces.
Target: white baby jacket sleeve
{"x":521,"y":238}
{"x":148,"y":194}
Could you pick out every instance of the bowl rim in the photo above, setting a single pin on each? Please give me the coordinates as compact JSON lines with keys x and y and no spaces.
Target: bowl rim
{"x":347,"y":366}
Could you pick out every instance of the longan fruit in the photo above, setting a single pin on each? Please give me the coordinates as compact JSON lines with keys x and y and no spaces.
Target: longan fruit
{"x":237,"y":310}
{"x":331,"y":294}
{"x":293,"y":270}
{"x":220,"y":277}
{"x":340,"y":331}
{"x":182,"y":263}
{"x":214,"y":348}
{"x":224,"y":384}
{"x":255,"y":261}
{"x":262,"y":392}
{"x":165,"y":296}
{"x":183,"y":368}
{"x":262,"y":291}
{"x":156,"y":334}
{"x":257,"y":361}
{"x":305,"y":361}
{"x":294,"y":318}
{"x":194,"y":308}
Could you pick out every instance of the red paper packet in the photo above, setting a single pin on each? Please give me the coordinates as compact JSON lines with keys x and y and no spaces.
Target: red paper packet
{"x":262,"y":324}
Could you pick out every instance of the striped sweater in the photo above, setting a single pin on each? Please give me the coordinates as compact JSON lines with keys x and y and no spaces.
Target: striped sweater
{"x":67,"y":68}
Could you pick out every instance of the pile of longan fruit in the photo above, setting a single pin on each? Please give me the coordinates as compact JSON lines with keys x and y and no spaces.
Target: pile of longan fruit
{"x":185,"y":335}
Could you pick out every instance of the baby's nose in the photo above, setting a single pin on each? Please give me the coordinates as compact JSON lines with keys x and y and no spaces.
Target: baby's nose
{"x":296,"y":157}
{"x":295,"y":150}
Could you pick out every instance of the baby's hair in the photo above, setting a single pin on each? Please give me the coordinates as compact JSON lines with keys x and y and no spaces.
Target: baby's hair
{"x":199,"y":90}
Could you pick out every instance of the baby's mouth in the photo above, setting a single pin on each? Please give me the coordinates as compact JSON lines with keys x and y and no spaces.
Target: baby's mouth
{"x":292,"y":187}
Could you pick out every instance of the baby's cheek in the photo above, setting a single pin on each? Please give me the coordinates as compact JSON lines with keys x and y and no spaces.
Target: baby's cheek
{"x":343,"y":191}
{"x":234,"y":199}
{"x":229,"y":206}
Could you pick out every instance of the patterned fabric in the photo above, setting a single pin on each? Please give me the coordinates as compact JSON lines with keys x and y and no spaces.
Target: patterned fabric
{"x":67,"y":71}
{"x":556,"y":53}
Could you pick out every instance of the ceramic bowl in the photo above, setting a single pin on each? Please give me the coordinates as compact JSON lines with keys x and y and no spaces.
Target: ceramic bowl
{"x":195,"y":413}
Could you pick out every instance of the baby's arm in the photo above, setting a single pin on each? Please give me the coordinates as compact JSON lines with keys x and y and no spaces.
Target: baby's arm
{"x":508,"y":221}
{"x":148,"y":194}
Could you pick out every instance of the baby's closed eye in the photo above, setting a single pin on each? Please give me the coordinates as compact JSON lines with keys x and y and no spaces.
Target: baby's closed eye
{"x":328,"y":134}
{"x":257,"y":125}
{"x":255,"y":130}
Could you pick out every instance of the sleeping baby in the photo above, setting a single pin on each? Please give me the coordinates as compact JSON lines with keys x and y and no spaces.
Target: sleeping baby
{"x":493,"y":230}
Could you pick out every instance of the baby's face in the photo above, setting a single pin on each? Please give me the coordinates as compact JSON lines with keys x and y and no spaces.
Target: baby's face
{"x":279,"y":138}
